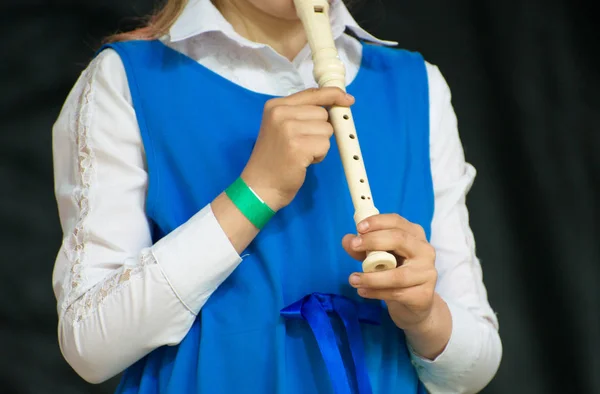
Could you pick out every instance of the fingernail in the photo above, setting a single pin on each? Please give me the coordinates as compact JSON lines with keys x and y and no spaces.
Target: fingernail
{"x":356,"y":242}
{"x":363,"y":226}
{"x":354,"y":279}
{"x":351,"y":97}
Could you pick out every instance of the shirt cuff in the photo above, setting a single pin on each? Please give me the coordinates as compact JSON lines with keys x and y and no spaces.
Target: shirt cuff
{"x":196,"y":258}
{"x":458,"y":358}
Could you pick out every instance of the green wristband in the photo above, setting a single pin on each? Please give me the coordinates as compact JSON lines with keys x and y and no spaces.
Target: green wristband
{"x":251,"y":206}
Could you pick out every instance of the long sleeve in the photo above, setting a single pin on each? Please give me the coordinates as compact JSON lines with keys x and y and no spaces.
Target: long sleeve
{"x":473,"y":354}
{"x":120,"y":297}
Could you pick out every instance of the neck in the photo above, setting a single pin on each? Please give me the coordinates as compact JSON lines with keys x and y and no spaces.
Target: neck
{"x":286,"y":36}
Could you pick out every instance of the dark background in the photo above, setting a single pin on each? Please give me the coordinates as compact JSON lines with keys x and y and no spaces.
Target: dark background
{"x":525,"y":83}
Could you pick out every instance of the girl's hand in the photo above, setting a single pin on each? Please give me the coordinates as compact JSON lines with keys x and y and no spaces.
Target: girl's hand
{"x":294,"y":134}
{"x":409,"y":289}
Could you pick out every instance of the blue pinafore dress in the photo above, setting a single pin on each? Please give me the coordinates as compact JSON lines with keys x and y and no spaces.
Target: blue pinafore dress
{"x":286,"y":320}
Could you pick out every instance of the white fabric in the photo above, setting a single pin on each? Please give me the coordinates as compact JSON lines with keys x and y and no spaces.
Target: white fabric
{"x":120,"y":297}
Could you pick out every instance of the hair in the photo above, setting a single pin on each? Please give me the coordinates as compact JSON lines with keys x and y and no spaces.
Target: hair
{"x":160,"y":22}
{"x":156,"y":25}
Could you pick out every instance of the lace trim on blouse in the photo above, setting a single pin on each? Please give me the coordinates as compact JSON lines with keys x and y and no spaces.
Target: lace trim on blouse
{"x":81,"y":302}
{"x":74,"y":243}
{"x":118,"y":281}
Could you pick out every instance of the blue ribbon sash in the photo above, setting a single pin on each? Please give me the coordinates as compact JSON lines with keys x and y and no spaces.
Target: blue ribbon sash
{"x":315,"y":309}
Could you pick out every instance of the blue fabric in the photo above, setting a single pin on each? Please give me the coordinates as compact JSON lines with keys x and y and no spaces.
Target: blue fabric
{"x":314,"y":309}
{"x":198,"y":131}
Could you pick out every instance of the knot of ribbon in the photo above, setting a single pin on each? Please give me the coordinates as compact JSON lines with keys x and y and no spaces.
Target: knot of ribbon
{"x":315,"y":309}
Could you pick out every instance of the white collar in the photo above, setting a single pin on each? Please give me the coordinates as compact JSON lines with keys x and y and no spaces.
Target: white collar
{"x":201,"y":16}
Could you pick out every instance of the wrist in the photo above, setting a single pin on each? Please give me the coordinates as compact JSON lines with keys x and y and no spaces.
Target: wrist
{"x":422,"y":327}
{"x":269,"y":195}
{"x":430,"y":336}
{"x":239,"y":230}
{"x":249,"y":204}
{"x":429,"y":323}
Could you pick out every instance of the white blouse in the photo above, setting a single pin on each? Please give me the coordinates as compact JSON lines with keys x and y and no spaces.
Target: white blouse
{"x":120,"y":297}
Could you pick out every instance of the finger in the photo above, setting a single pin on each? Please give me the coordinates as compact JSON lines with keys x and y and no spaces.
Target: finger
{"x":315,"y":128}
{"x":308,"y":128}
{"x":396,"y":240}
{"x":309,"y":112}
{"x":283,"y":113}
{"x":316,"y":147}
{"x":410,"y":296}
{"x":388,"y":221}
{"x":347,"y":245}
{"x":286,"y":113}
{"x":408,"y":275}
{"x":384,"y":295}
{"x":323,"y":97}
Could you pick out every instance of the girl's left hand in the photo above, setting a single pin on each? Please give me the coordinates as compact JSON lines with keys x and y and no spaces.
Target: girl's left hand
{"x":409,"y":289}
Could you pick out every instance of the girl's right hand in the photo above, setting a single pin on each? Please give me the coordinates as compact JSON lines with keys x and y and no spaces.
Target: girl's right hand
{"x":294,"y":134}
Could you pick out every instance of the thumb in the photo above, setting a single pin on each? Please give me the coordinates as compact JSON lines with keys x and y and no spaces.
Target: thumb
{"x":347,"y":245}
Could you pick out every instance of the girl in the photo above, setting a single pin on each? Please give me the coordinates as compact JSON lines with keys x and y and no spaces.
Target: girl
{"x":203,"y":206}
